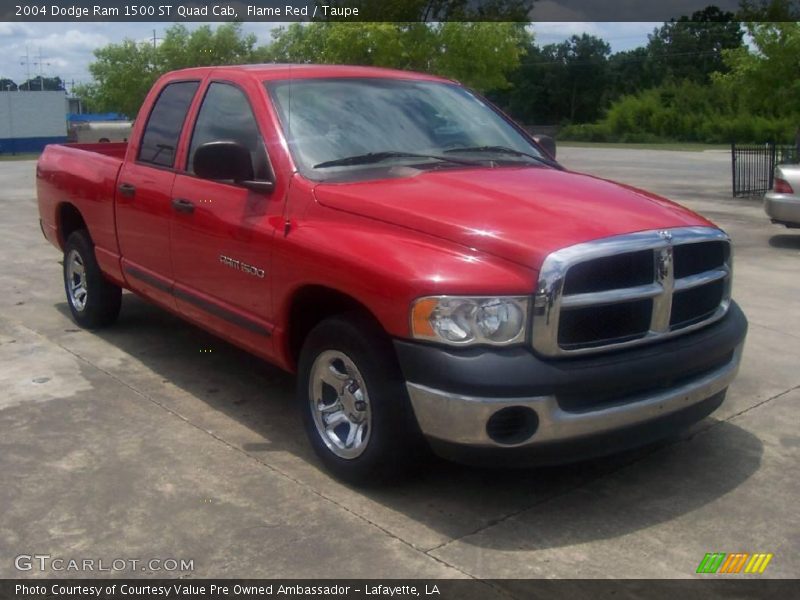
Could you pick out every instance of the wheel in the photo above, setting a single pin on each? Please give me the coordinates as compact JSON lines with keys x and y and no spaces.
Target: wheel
{"x":93,"y":300}
{"x":354,"y":404}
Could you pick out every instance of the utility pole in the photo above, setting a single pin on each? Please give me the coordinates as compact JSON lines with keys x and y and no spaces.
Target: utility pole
{"x":41,"y":63}
{"x":155,"y":43}
{"x":26,"y":61}
{"x":10,"y":121}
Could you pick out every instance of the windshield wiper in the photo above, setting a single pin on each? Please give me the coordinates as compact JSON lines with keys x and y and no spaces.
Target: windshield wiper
{"x":376,"y":157}
{"x":504,"y":150}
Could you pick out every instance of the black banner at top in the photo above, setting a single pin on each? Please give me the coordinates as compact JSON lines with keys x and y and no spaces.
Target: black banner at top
{"x":368,"y":10}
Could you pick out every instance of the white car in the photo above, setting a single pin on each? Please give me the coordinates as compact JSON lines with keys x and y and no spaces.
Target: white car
{"x":782,"y":202}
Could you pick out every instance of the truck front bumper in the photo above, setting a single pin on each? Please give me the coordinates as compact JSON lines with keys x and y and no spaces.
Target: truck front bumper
{"x":490,"y":404}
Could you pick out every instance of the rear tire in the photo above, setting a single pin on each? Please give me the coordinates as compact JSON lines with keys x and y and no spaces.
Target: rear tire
{"x":93,"y":300}
{"x":354,"y":403}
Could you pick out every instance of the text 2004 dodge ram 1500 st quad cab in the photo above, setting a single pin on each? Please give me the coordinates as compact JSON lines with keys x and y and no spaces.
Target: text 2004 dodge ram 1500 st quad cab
{"x":427,"y":269}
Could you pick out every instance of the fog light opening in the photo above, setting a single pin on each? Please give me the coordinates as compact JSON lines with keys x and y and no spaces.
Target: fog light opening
{"x":512,"y":425}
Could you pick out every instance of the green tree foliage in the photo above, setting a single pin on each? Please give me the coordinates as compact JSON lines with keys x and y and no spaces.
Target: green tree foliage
{"x":225,"y":45}
{"x":766,"y":80}
{"x":754,"y":100}
{"x":7,"y":84}
{"x":559,"y":82}
{"x":630,"y":71}
{"x":123,"y":73}
{"x":683,"y":111}
{"x":478,"y":54}
{"x":769,"y":10}
{"x":692,"y":47}
{"x":48,"y":84}
{"x":577,"y":80}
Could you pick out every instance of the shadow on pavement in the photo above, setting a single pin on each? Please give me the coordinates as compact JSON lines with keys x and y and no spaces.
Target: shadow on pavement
{"x":659,"y":483}
{"x":785,"y":240}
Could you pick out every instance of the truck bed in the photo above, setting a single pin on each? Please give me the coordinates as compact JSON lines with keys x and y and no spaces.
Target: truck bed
{"x":113,"y":149}
{"x":84,"y":176}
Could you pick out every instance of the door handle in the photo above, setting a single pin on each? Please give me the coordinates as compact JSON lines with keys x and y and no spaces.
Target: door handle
{"x":183,"y":205}
{"x":128,"y":190}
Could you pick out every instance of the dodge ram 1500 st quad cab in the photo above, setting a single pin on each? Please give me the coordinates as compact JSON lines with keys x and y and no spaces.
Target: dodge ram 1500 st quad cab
{"x":433,"y":276}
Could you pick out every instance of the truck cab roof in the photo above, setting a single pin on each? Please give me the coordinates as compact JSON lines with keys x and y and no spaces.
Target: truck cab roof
{"x":276,"y":71}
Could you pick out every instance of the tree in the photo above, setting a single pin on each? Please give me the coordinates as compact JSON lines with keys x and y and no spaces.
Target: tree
{"x":769,"y":10}
{"x":692,"y":47}
{"x":225,"y":45}
{"x":631,"y":71}
{"x":559,"y":82}
{"x":48,"y":84}
{"x":767,"y":80}
{"x":123,"y":73}
{"x":7,"y":85}
{"x":478,"y":54}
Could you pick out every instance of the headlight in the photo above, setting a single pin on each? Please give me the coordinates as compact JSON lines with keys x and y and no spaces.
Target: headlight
{"x":459,"y":320}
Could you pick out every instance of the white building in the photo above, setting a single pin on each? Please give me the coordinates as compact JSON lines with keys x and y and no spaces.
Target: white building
{"x":31,"y":120}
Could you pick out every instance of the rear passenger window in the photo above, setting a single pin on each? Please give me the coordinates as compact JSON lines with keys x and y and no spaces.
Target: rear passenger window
{"x":163,"y":129}
{"x":225,"y":115}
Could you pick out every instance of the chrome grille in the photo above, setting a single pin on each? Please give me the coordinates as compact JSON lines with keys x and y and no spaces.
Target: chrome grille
{"x":631,"y":289}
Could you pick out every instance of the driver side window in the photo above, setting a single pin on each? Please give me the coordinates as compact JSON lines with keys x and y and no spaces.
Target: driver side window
{"x":225,"y":115}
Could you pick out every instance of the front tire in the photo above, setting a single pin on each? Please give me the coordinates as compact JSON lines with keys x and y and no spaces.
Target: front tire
{"x":354,"y":404}
{"x":93,"y":300}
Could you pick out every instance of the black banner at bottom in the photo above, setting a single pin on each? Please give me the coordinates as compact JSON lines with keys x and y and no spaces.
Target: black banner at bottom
{"x":355,"y":589}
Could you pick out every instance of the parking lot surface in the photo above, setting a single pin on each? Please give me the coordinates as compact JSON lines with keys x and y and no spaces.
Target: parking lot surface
{"x":153,"y":439}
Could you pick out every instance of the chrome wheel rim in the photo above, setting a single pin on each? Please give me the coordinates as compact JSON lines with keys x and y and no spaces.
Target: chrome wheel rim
{"x":76,"y":281}
{"x":340,"y":404}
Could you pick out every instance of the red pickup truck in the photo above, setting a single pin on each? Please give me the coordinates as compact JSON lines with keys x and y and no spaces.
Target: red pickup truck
{"x":430,"y":272}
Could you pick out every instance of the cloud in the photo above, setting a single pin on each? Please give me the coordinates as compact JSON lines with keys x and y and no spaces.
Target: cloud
{"x":621,"y":36}
{"x":11,"y":29}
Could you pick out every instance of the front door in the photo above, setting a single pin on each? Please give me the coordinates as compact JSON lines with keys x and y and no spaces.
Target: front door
{"x":221,"y":235}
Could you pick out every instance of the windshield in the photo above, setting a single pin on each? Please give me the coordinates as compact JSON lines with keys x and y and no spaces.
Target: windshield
{"x":346,"y":128}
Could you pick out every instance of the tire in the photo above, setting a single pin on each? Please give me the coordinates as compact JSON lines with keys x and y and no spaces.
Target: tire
{"x":358,"y":363}
{"x":93,"y":300}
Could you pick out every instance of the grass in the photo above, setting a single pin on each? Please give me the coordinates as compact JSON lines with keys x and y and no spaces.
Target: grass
{"x":21,"y":156}
{"x":676,"y":146}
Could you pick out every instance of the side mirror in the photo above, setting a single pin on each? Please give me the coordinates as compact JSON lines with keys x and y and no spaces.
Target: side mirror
{"x":547,"y":143}
{"x":227,"y":160}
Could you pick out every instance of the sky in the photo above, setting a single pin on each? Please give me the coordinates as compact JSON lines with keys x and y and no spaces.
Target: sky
{"x":66,"y":48}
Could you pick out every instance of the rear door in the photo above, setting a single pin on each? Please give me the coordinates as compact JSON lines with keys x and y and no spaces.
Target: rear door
{"x":222,"y":232}
{"x":144,"y":186}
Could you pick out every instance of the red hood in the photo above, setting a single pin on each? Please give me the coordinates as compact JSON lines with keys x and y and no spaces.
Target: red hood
{"x":520,"y":214}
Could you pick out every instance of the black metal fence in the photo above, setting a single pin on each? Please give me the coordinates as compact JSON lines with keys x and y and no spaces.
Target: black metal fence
{"x":753,"y":165}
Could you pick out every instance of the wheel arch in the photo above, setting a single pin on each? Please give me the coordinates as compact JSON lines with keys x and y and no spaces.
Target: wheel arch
{"x":68,"y":220}
{"x":311,"y":304}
